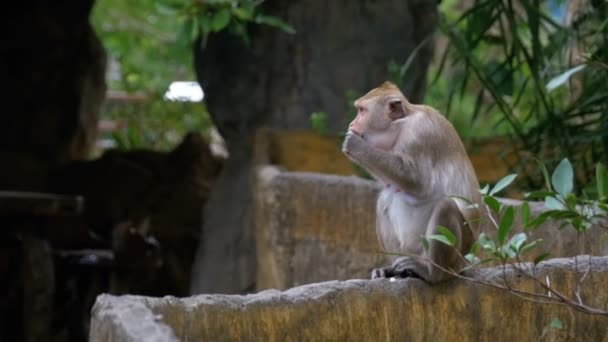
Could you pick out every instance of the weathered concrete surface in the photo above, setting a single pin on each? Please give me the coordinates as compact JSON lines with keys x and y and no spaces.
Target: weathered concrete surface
{"x":365,"y":310}
{"x":312,"y":227}
{"x":302,"y":151}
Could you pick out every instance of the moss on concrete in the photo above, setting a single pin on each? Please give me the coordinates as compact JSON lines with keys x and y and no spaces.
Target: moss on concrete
{"x":365,"y":310}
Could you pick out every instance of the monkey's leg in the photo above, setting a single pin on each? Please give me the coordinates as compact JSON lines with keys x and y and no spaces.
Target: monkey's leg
{"x":445,"y":214}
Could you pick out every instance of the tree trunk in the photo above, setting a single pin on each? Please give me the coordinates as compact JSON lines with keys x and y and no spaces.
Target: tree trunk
{"x":53,"y":84}
{"x":278,"y":80}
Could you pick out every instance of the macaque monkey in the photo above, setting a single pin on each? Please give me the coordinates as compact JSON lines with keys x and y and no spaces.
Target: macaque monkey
{"x":419,"y":157}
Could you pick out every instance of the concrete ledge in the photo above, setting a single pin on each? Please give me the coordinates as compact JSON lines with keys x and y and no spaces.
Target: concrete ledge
{"x":313,"y":227}
{"x":364,"y":310}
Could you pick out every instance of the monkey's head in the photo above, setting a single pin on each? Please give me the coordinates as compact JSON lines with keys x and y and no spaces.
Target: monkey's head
{"x":378,"y":113}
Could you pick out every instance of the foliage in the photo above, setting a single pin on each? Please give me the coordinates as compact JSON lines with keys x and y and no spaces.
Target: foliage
{"x":318,"y":120}
{"x":149,"y":46}
{"x":155,"y":124}
{"x":505,"y":247}
{"x":142,"y":41}
{"x":543,"y":78}
{"x":202,"y":18}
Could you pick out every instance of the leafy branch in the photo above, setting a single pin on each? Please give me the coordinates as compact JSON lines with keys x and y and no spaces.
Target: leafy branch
{"x":508,"y":250}
{"x":205,"y":17}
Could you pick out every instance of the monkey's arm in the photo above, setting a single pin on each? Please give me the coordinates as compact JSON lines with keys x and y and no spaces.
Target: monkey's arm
{"x":400,"y":170}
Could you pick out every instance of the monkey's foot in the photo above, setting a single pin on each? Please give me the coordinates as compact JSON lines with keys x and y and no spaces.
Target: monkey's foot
{"x":390,"y":272}
{"x":401,"y":268}
{"x":379,"y":273}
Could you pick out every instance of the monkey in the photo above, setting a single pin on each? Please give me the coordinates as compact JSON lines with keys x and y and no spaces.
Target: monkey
{"x":419,"y":157}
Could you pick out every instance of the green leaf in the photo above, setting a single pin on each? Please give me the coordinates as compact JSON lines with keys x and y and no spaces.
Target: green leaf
{"x":540,"y":219}
{"x":185,"y":31}
{"x":539,"y":194}
{"x":563,"y":177}
{"x":530,"y":245}
{"x":425,"y":243}
{"x":559,"y":80}
{"x":220,"y":20}
{"x":553,"y":203}
{"x":448,"y":234}
{"x":524,"y":211}
{"x":242,"y":13}
{"x":318,"y":122}
{"x":556,"y":323}
{"x":506,"y":224}
{"x":571,"y":201}
{"x":517,"y":241}
{"x":475,"y":248}
{"x":503,"y":183}
{"x":441,"y":238}
{"x":204,"y":21}
{"x":485,"y":189}
{"x":486,"y":243}
{"x":166,"y":9}
{"x":276,"y":22}
{"x":472,"y":258}
{"x":541,"y":257}
{"x":492,"y":203}
{"x":545,"y":173}
{"x":601,"y":177}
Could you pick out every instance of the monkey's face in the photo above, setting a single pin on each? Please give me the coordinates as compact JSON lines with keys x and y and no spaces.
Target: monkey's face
{"x":377,"y":119}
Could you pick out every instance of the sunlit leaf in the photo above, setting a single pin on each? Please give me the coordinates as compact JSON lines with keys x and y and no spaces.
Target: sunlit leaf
{"x":563,"y":178}
{"x":485,"y":189}
{"x":518,"y":240}
{"x":553,"y":203}
{"x":486,"y":243}
{"x":471,"y":258}
{"x":563,"y":77}
{"x":503,"y":183}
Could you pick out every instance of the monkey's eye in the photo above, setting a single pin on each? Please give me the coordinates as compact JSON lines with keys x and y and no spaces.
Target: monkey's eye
{"x":360,"y":110}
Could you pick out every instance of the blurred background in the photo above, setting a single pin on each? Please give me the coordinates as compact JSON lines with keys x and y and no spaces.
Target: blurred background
{"x":130,"y":129}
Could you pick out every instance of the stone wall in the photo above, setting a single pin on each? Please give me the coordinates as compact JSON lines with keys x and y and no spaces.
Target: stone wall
{"x":312,"y":227}
{"x":365,"y":310}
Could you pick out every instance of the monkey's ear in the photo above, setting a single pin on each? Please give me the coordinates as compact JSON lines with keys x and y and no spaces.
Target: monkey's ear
{"x":396,"y":109}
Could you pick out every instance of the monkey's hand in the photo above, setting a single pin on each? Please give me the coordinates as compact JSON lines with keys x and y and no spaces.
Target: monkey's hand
{"x":352,"y":144}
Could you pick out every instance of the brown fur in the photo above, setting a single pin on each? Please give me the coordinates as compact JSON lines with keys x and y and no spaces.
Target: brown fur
{"x":418,"y":154}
